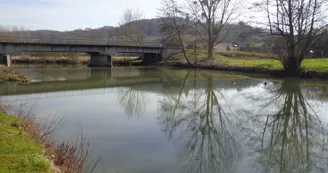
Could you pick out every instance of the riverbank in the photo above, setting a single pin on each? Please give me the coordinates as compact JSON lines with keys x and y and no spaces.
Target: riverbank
{"x":18,"y":151}
{"x":9,"y":74}
{"x":26,"y":145}
{"x":249,"y":63}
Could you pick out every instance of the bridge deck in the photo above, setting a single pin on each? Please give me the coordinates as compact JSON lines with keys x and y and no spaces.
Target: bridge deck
{"x":77,"y":41}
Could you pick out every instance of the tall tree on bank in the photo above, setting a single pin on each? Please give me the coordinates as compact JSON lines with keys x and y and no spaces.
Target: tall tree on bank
{"x":299,"y":23}
{"x":173,"y":26}
{"x":212,"y":16}
{"x":131,"y":27}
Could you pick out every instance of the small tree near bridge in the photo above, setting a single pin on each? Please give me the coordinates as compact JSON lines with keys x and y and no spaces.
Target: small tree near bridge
{"x":132,"y":28}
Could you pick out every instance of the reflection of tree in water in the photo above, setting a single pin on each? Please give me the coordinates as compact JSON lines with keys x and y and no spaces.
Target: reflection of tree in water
{"x":133,"y":101}
{"x":292,"y":137}
{"x":201,"y":129}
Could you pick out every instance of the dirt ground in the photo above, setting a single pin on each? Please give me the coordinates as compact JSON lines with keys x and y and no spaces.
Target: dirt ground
{"x":4,"y":68}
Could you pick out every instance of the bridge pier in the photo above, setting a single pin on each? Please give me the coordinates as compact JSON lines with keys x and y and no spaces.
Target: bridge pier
{"x":100,"y":61}
{"x":151,"y":58}
{"x":5,"y":59}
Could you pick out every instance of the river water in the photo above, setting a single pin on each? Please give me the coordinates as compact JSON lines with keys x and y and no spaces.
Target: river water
{"x":146,"y":120}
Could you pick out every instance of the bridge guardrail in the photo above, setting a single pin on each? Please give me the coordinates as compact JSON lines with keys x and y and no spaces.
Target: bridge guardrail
{"x":79,"y":41}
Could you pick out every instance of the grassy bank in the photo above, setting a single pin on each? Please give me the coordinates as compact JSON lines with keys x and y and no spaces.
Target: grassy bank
{"x":18,"y":151}
{"x":9,"y":74}
{"x":27,"y":146}
{"x":249,"y":62}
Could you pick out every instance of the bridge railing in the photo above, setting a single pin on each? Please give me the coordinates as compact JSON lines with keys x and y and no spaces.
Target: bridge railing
{"x":79,"y":41}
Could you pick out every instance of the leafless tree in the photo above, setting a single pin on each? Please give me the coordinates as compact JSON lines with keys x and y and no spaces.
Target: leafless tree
{"x":131,"y":29}
{"x":213,"y":16}
{"x":173,"y":26}
{"x":300,"y":24}
{"x":13,"y":33}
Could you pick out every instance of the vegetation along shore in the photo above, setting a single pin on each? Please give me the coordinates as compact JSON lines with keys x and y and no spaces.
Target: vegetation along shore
{"x":9,"y":74}
{"x":248,"y":62}
{"x":26,"y":145}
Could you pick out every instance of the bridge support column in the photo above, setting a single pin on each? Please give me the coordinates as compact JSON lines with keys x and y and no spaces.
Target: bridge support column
{"x":151,"y":58}
{"x":5,"y":60}
{"x":100,"y":61}
{"x":8,"y":57}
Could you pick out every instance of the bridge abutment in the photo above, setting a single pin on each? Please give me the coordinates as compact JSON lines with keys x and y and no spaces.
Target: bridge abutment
{"x":100,"y":61}
{"x":5,"y":60}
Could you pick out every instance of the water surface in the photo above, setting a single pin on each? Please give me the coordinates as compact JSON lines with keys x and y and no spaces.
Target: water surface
{"x":145,"y":120}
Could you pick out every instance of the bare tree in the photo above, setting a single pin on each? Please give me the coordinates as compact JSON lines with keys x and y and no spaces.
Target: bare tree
{"x":300,"y":24}
{"x":173,"y":26}
{"x":131,"y":28}
{"x":212,"y":16}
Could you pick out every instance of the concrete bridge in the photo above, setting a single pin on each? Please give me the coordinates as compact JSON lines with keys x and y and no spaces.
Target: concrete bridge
{"x":99,"y":50}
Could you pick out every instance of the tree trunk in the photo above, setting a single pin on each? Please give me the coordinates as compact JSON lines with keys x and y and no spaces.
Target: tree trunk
{"x":209,"y":35}
{"x":292,"y":66}
{"x":210,"y":52}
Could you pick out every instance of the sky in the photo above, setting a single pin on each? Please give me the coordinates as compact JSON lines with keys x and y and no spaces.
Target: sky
{"x":66,"y":15}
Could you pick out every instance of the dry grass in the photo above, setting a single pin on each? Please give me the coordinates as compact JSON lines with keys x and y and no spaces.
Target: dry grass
{"x":123,"y":60}
{"x":72,"y":157}
{"x":9,"y":74}
{"x":72,"y":59}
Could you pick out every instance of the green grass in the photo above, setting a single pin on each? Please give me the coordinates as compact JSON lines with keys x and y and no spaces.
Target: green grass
{"x":238,"y":54}
{"x":252,"y":60}
{"x":251,"y":63}
{"x":318,"y":65}
{"x":18,"y":152}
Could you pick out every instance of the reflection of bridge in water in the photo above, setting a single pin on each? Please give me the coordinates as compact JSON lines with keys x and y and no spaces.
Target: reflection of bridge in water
{"x":61,"y":94}
{"x":100,"y":81}
{"x":88,"y":86}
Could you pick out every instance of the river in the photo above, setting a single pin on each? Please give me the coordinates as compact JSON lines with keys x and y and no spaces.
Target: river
{"x":146,"y":120}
